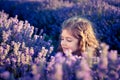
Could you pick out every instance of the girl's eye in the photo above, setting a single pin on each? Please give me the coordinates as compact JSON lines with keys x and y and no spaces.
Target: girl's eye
{"x":69,"y":40}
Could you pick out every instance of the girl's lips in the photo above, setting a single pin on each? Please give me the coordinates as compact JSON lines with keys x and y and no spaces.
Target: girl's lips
{"x":65,"y":49}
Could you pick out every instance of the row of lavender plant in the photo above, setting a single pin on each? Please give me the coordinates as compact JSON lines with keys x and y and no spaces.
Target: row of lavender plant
{"x":19,"y":45}
{"x":21,"y":66}
{"x":49,"y":14}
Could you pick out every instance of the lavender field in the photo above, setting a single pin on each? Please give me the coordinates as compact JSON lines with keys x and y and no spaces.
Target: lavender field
{"x":29,"y":33}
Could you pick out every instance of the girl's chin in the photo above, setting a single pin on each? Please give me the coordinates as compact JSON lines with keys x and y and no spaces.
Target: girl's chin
{"x":67,"y":51}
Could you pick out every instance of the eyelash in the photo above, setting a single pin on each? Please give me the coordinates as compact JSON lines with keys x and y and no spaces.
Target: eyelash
{"x":69,"y":40}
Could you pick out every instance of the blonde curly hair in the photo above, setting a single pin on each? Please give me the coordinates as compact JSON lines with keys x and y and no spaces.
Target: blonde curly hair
{"x":82,"y":29}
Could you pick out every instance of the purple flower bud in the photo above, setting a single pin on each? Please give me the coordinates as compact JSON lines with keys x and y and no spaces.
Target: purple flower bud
{"x":5,"y":75}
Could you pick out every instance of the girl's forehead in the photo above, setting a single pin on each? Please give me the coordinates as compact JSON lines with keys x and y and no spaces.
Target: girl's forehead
{"x":66,"y":32}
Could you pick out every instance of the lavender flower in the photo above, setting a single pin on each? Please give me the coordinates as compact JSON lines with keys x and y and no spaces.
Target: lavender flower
{"x":24,"y":50}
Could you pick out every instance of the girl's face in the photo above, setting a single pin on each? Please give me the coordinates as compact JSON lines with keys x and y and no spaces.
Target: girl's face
{"x":68,"y":42}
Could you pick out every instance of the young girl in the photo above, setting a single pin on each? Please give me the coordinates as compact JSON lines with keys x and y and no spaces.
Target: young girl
{"x":77,"y":36}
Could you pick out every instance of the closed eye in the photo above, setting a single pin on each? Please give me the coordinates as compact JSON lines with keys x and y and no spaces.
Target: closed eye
{"x":69,"y":40}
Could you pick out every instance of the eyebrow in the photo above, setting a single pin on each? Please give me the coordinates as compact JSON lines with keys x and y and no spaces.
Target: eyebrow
{"x":66,"y":37}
